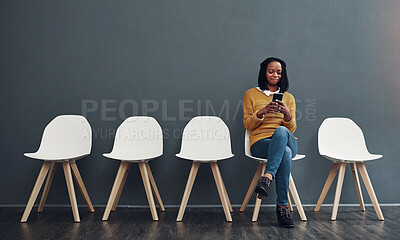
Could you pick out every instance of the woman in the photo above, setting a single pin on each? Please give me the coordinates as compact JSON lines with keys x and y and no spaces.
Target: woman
{"x":272,"y":124}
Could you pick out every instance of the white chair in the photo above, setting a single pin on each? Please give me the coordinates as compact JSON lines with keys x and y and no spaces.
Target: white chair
{"x":138,"y":140}
{"x":259,"y":172}
{"x":206,"y":139}
{"x":342,"y":141}
{"x":65,"y":139}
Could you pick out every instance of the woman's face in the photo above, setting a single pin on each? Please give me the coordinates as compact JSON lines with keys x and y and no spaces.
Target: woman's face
{"x":274,"y":73}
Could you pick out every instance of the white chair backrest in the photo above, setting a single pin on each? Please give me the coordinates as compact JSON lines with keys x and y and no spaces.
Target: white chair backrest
{"x":139,"y":137}
{"x":67,"y":135}
{"x":247,"y":151}
{"x":341,"y":137}
{"x":206,"y":138}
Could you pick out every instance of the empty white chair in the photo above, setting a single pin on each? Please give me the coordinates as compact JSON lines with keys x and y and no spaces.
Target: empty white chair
{"x":65,"y":139}
{"x":206,"y":139}
{"x":259,"y":172}
{"x":342,"y":141}
{"x":138,"y":140}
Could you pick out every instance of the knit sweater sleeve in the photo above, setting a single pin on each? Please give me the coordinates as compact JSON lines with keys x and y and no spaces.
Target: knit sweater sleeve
{"x":291,"y":125}
{"x":250,"y":119}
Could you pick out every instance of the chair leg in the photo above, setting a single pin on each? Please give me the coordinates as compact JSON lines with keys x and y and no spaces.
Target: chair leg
{"x":370,"y":189}
{"x":147,"y":188}
{"x":226,"y":193}
{"x":289,"y":202}
{"x":257,"y":205}
{"x":358,"y":187}
{"x":71,"y":190}
{"x":252,"y":186}
{"x":36,"y":189}
{"x":121,"y":187}
{"x":154,"y":188}
{"x":296,"y":198}
{"x":46,"y":189}
{"x":81,"y":186}
{"x":338,"y":192}
{"x":188,"y":189}
{"x":328,"y":183}
{"x":117,"y":182}
{"x":220,"y":187}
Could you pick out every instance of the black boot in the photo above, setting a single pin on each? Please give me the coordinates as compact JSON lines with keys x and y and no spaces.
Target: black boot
{"x":262,"y":186}
{"x":284,"y":217}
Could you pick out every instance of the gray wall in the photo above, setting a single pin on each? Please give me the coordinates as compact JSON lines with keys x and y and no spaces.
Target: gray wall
{"x":343,"y":60}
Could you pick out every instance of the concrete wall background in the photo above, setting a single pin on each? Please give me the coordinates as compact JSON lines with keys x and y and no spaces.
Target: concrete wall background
{"x":56,"y":57}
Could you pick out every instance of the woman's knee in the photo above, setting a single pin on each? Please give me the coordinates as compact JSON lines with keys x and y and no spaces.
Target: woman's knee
{"x":282,"y":131}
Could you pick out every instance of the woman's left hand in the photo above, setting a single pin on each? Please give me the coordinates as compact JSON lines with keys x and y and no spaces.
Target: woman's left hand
{"x":285,"y":110}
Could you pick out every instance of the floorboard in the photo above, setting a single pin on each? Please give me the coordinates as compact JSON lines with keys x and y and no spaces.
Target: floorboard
{"x":198,"y":223}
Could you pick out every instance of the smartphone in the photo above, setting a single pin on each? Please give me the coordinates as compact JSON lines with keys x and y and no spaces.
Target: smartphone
{"x":277,"y":96}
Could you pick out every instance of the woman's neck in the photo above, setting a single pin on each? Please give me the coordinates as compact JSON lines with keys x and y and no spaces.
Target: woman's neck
{"x":272,"y":88}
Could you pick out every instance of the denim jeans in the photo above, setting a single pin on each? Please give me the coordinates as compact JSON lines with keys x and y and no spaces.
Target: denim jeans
{"x":279,"y":150}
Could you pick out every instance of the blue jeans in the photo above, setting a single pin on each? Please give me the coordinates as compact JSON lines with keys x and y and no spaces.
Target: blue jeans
{"x":279,"y":150}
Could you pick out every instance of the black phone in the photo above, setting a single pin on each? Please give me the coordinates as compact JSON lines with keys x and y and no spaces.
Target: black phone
{"x":277,"y":96}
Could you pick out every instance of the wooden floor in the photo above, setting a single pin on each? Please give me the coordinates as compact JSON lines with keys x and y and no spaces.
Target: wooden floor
{"x":198,"y":223}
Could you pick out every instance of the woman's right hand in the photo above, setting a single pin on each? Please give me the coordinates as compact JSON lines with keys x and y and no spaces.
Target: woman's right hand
{"x":271,"y":107}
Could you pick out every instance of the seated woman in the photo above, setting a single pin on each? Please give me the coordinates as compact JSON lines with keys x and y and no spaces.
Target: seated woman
{"x":272,"y":124}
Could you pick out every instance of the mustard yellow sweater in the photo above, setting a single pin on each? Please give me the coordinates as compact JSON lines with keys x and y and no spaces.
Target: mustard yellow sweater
{"x":253,"y":101}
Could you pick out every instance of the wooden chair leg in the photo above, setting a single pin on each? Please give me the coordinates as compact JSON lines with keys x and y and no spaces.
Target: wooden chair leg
{"x":226,"y":192}
{"x":220,"y":187}
{"x":154,"y":188}
{"x":257,"y":205}
{"x":71,"y":190}
{"x":296,"y":198}
{"x":256,"y":211}
{"x":118,"y":179}
{"x":46,"y":189}
{"x":358,"y":187}
{"x":328,"y":183}
{"x":36,"y":189}
{"x":289,"y":202}
{"x":188,"y":189}
{"x":147,"y":188}
{"x":252,"y":186}
{"x":121,"y":187}
{"x":81,"y":186}
{"x":370,"y":189}
{"x":338,"y":192}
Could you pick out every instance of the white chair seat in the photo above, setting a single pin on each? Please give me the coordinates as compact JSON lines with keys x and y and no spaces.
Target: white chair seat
{"x":341,"y":139}
{"x":205,"y":160}
{"x":53,"y":156}
{"x":358,"y":158}
{"x":66,"y":137}
{"x":138,"y":139}
{"x":130,"y":157}
{"x":297,"y":157}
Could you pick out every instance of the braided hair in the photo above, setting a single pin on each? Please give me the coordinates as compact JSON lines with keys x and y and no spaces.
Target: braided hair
{"x":283,"y":84}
